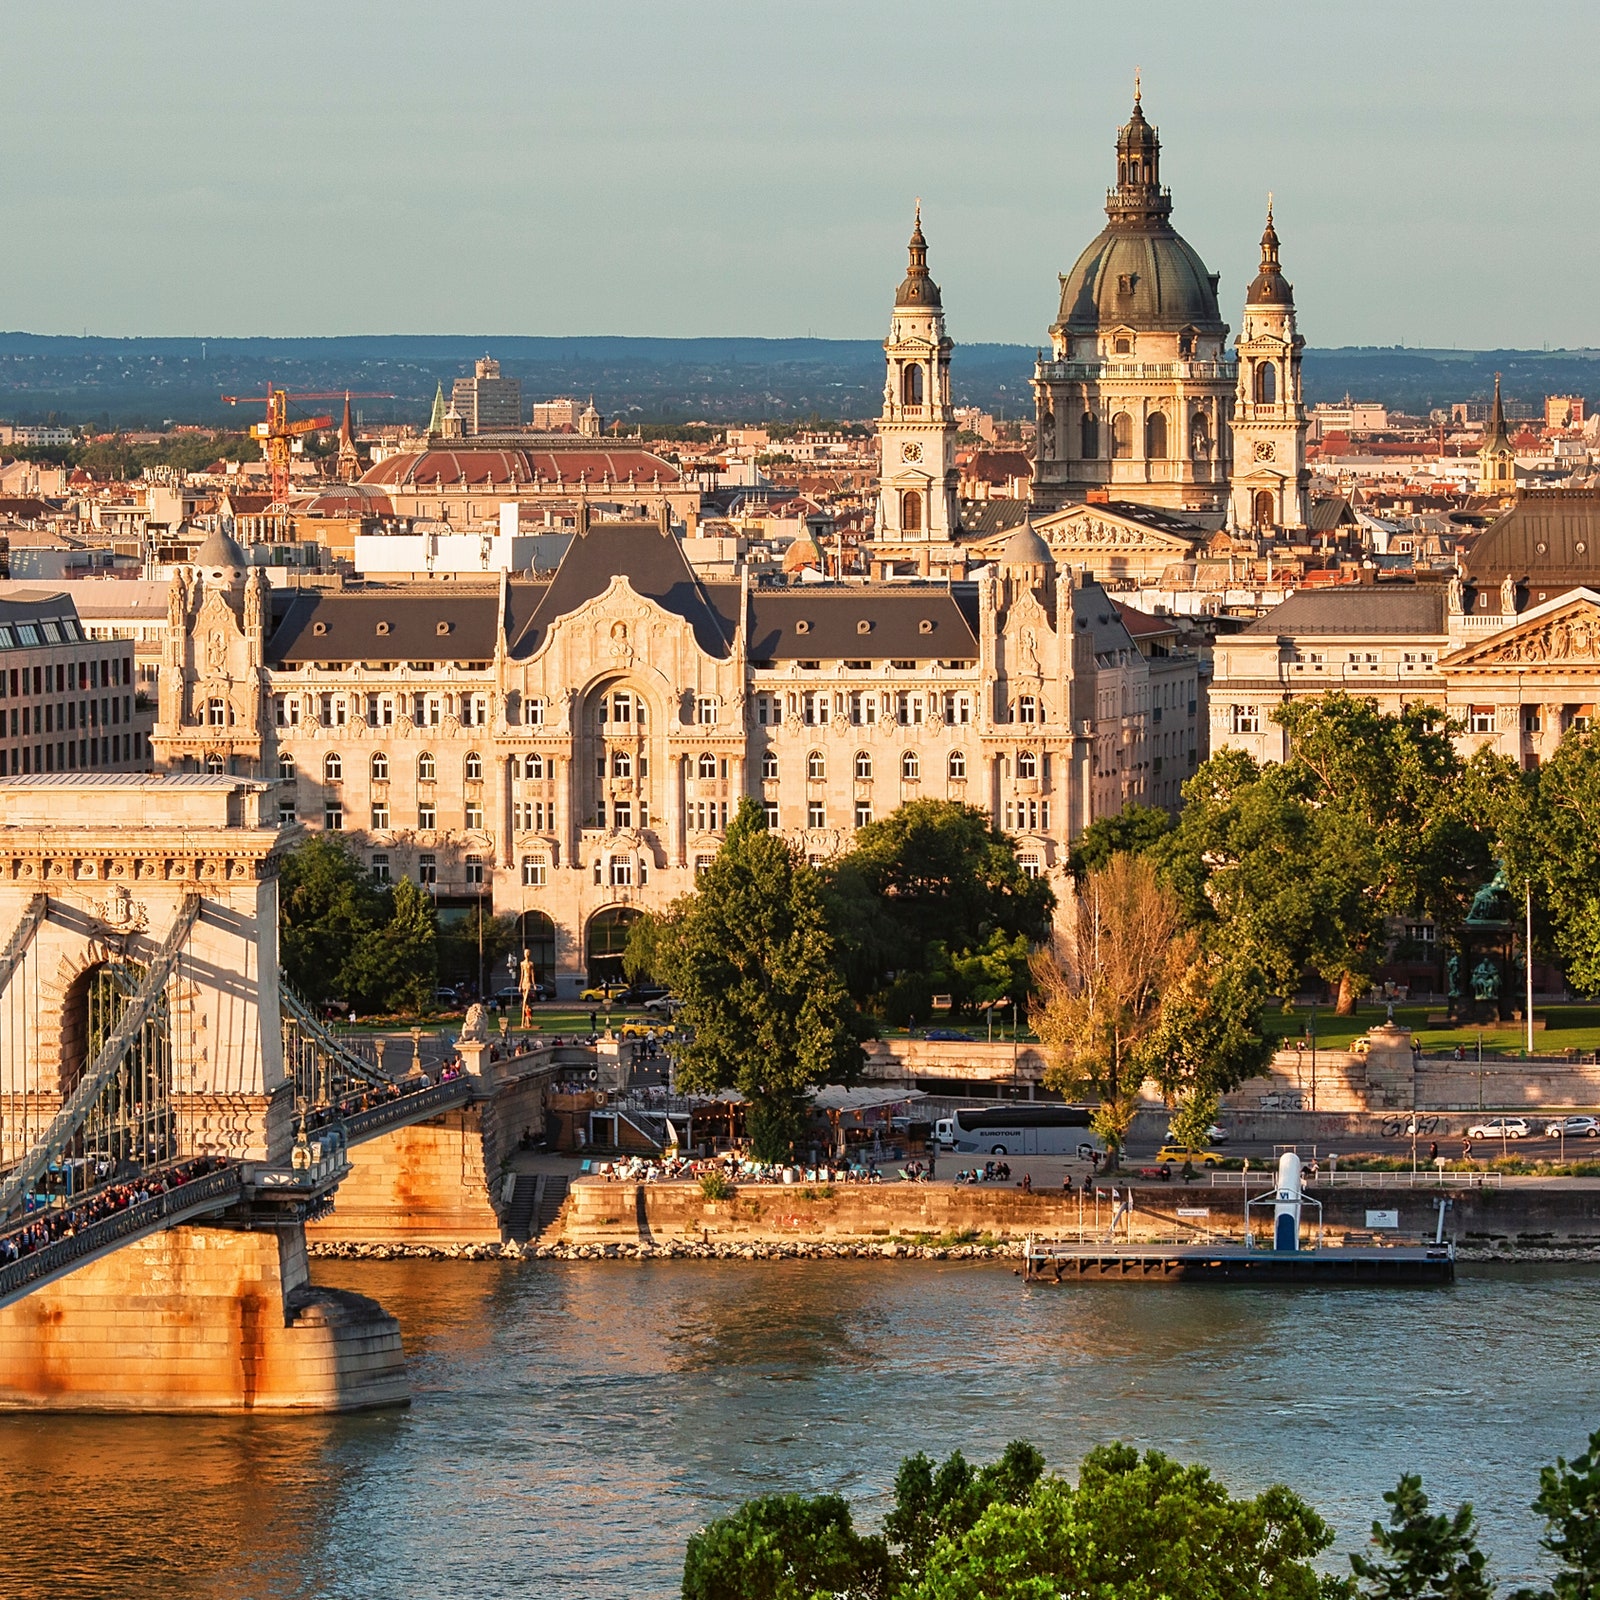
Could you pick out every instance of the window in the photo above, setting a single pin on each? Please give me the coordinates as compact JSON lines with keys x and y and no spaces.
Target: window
{"x":702,"y":864}
{"x":380,"y":868}
{"x":533,"y":872}
{"x":1531,"y":722}
{"x":427,"y":816}
{"x":816,"y":765}
{"x":958,"y":709}
{"x":474,"y":710}
{"x":621,"y":764}
{"x":622,"y":814}
{"x":380,"y":710}
{"x":769,"y":764}
{"x":815,"y":815}
{"x":427,"y":869}
{"x":1480,"y":719}
{"x":863,"y":765}
{"x":474,"y":866}
{"x":286,"y":766}
{"x":863,"y":813}
{"x":333,"y":817}
{"x":911,"y":511}
{"x":1155,"y":436}
{"x":285,"y":813}
{"x":533,"y":713}
{"x":380,"y":815}
{"x":1121,"y":437}
{"x":425,"y":768}
{"x":706,"y":766}
{"x":1244,"y":719}
{"x":214,"y":765}
{"x":334,"y":711}
{"x":332,"y":769}
{"x":427,"y":710}
{"x":1027,"y":764}
{"x":1027,"y":709}
{"x":474,"y":814}
{"x":863,"y":709}
{"x":958,"y":764}
{"x":814,"y":707}
{"x":908,"y":709}
{"x":1421,"y":933}
{"x":705,"y":710}
{"x":216,"y":714}
{"x":1089,"y":436}
{"x":380,"y":768}
{"x":533,"y":767}
{"x":474,"y":766}
{"x":770,"y":808}
{"x":621,"y":871}
{"x":911,"y":385}
{"x":768,"y":711}
{"x":1030,"y":866}
{"x":910,"y":767}
{"x":286,"y":710}
{"x":1266,"y":383}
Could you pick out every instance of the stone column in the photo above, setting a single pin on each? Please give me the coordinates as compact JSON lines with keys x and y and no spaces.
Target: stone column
{"x":503,"y":813}
{"x":673,"y":836}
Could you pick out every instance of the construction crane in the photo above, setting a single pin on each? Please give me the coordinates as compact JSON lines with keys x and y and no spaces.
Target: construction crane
{"x":277,"y":434}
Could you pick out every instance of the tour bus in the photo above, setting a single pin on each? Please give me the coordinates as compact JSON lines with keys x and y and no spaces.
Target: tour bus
{"x":1018,"y":1130}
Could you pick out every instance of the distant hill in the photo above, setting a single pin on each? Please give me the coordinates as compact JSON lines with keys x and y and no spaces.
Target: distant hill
{"x":145,"y":382}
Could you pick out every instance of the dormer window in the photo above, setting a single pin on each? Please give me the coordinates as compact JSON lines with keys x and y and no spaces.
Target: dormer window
{"x":1122,"y":345}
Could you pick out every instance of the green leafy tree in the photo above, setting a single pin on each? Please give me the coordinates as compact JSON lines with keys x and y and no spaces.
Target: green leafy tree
{"x":1136,"y":1528}
{"x":641,"y":955}
{"x":396,"y":967}
{"x":328,"y":903}
{"x":1423,"y":1553}
{"x":459,"y":958}
{"x":786,"y":1547}
{"x":752,"y":956}
{"x":1569,"y":1502}
{"x":1555,"y":840}
{"x":1207,"y":1040}
{"x":1133,"y":831}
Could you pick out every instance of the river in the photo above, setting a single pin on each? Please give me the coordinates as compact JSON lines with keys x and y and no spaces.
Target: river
{"x":573,"y":1423}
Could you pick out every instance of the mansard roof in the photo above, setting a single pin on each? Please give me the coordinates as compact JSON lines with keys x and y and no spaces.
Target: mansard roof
{"x":1354,"y":609}
{"x":653,"y":562}
{"x":394,"y":622}
{"x":814,"y":621}
{"x":1550,"y":538}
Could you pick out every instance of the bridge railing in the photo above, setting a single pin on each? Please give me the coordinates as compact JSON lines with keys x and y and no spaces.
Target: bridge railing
{"x":214,"y":1189}
{"x":407,"y":1107}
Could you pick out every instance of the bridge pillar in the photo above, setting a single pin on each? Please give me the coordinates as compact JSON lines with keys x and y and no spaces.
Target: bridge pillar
{"x":199,"y":1318}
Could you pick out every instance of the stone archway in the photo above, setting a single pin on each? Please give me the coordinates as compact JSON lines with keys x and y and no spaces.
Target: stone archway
{"x":605,"y":940}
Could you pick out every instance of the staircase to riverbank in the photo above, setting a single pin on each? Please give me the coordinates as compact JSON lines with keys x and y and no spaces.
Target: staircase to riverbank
{"x":535,"y":1204}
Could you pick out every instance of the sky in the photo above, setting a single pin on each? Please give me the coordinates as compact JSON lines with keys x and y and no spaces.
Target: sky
{"x":211,"y":167}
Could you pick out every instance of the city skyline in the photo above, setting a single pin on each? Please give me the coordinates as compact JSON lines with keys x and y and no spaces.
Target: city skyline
{"x":327,"y":174}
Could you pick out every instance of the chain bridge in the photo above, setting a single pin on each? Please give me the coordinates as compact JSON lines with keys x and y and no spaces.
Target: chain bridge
{"x":173,"y":1117}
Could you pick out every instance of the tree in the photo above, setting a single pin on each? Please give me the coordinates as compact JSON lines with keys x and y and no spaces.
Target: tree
{"x":925,"y":888}
{"x":1133,"y":831}
{"x":1569,"y":1502}
{"x":751,"y":955}
{"x":1101,"y":996}
{"x":459,"y":958}
{"x":785,"y":1547}
{"x":395,"y":967}
{"x":1556,"y":842}
{"x":1428,"y":1553}
{"x":327,"y":903}
{"x":641,"y":955}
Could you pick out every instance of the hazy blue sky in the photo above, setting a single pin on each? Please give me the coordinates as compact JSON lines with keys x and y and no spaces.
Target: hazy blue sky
{"x":507,"y":166}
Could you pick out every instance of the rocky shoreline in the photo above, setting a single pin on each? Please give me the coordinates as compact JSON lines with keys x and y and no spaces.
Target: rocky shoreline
{"x":805,"y":1250}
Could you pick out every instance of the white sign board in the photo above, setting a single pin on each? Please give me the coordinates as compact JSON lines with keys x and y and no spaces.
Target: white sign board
{"x":1383,"y":1219}
{"x":1197,"y":1212}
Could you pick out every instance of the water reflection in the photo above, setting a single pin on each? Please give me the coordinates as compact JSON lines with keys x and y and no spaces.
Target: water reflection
{"x":573,"y":1423}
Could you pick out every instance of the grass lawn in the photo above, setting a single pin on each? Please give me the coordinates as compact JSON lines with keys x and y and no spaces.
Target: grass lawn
{"x":1567,"y":1027}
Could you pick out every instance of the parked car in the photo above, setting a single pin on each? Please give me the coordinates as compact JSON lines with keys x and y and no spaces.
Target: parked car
{"x":1500,"y":1128}
{"x":1574,"y":1128}
{"x":605,"y":993}
{"x":446,"y":997}
{"x":1214,"y":1134}
{"x":948,"y":1035}
{"x":664,"y":1005}
{"x":512,"y":996}
{"x":641,"y":994}
{"x":1178,"y":1153}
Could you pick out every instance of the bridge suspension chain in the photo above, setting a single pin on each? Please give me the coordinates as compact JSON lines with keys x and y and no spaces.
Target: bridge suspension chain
{"x":324,"y":1069}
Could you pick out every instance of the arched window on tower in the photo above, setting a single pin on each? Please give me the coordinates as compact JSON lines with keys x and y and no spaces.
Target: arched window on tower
{"x":1122,"y":437}
{"x":911,"y":511}
{"x":1266,"y":383}
{"x":1089,"y":436}
{"x":911,"y":385}
{"x":1155,"y":436}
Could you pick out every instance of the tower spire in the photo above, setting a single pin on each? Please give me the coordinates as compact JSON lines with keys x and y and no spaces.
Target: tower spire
{"x":436,"y":421}
{"x":349,"y":463}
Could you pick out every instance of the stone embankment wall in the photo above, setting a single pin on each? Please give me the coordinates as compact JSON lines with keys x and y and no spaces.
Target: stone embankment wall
{"x":199,"y":1319}
{"x":1524,"y":1220}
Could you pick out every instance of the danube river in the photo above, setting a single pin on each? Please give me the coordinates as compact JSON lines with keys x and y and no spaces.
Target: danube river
{"x":573,"y":1423}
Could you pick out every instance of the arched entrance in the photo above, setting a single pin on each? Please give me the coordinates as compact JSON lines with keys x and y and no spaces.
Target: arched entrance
{"x":133,"y":1119}
{"x":608,"y":937}
{"x":536,"y":934}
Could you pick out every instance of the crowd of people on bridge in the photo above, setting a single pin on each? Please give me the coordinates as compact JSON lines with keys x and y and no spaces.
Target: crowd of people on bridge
{"x":372,"y":1095}
{"x":679,"y":1169}
{"x":44,"y":1228}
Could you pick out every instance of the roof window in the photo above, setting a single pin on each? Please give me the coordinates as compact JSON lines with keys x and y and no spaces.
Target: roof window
{"x":319,"y":628}
{"x":441,"y":628}
{"x":926,"y":625}
{"x":383,"y":627}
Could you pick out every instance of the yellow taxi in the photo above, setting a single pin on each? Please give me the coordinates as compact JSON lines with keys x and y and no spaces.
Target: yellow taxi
{"x":1177,"y":1154}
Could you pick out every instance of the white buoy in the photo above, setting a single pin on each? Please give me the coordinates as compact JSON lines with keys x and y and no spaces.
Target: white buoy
{"x":1286,"y":1212}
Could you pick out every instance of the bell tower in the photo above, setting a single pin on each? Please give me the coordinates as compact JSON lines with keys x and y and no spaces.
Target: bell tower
{"x":1271,"y":485}
{"x":1497,"y":460}
{"x":916,"y":433}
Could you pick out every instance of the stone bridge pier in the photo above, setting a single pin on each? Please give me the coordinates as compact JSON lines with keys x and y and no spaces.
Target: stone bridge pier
{"x":99,"y":870}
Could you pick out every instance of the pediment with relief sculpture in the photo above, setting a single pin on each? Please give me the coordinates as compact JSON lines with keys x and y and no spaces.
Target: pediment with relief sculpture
{"x":1563,"y":636}
{"x":1092,"y":529}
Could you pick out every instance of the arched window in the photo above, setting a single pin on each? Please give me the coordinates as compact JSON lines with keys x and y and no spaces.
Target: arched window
{"x":1122,"y":437}
{"x":1027,"y":764}
{"x":332,"y":768}
{"x":863,"y":765}
{"x":911,"y":511}
{"x":425,"y":768}
{"x":380,"y":768}
{"x":1155,"y":436}
{"x":1027,"y":709}
{"x":214,"y":765}
{"x":706,"y":766}
{"x":533,"y":767}
{"x":286,"y":766}
{"x":1089,"y":436}
{"x":816,"y":765}
{"x":1199,"y":437}
{"x":474,"y":765}
{"x":621,"y":764}
{"x":1265,"y":509}
{"x":958,"y":763}
{"x":1266,"y":383}
{"x":911,"y":385}
{"x":769,"y":763}
{"x":910,"y":767}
